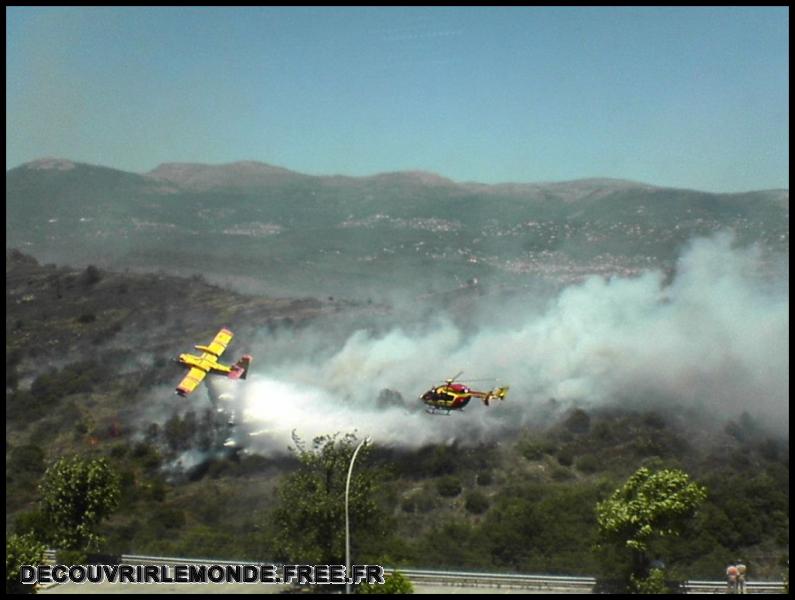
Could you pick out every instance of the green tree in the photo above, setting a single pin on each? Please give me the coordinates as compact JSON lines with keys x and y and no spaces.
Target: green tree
{"x":310,"y":520}
{"x":653,"y":584}
{"x":21,"y":550}
{"x":76,"y":495}
{"x":33,"y":522}
{"x":394,"y":583}
{"x":649,"y":505}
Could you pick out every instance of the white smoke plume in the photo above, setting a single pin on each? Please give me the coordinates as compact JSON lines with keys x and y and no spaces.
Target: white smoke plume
{"x":715,"y":337}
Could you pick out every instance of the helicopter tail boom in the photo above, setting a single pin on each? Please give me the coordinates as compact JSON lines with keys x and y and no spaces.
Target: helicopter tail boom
{"x":498,"y":393}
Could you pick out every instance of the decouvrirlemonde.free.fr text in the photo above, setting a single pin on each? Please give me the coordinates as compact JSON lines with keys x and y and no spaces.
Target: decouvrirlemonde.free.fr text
{"x":298,"y":574}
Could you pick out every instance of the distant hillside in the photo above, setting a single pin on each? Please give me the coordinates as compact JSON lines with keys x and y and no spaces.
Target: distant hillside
{"x":245,"y":175}
{"x":62,"y":313}
{"x":269,"y":229}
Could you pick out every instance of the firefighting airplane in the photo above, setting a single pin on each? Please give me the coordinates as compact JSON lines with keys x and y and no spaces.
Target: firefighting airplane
{"x":200,"y":366}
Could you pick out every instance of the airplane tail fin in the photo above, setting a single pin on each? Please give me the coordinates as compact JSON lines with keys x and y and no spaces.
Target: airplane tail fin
{"x":240,"y":368}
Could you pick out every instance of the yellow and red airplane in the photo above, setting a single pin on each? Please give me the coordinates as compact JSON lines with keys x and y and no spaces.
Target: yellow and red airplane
{"x":200,"y":366}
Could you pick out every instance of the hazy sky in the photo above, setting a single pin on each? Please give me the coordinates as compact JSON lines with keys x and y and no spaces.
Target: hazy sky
{"x":686,"y":97}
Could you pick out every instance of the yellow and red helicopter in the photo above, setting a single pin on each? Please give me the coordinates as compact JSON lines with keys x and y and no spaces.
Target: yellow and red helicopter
{"x":207,"y":362}
{"x":452,"y":395}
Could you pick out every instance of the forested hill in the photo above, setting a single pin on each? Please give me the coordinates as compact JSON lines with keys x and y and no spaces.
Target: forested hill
{"x":285,"y":233}
{"x":61,"y":311}
{"x":88,"y":373}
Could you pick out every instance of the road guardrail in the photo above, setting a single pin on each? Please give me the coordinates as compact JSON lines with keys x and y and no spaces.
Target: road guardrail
{"x":467,"y":578}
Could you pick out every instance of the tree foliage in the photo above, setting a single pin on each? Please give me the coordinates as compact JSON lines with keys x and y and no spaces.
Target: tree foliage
{"x":76,"y":495}
{"x":21,"y":550}
{"x":541,"y":527}
{"x":310,"y":520}
{"x":653,"y":584}
{"x":649,"y":504}
{"x":394,"y":583}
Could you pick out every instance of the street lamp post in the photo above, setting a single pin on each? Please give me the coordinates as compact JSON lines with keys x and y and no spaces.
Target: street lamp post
{"x":364,"y":442}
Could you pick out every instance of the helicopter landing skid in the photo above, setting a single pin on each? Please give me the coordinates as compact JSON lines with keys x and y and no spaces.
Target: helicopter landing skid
{"x":439,"y":411}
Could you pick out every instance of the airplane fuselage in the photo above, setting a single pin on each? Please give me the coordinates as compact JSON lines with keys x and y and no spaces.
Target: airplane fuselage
{"x":206,"y":362}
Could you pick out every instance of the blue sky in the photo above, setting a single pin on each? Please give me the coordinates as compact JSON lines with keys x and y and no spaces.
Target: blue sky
{"x":683,"y":97}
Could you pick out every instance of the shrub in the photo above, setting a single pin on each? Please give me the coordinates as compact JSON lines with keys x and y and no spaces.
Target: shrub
{"x":578,"y":421}
{"x":534,"y":450}
{"x":21,"y":550}
{"x":394,"y":583}
{"x":587,"y":464}
{"x":408,"y":505}
{"x":449,"y":486}
{"x":476,"y":502}
{"x":13,"y":358}
{"x":603,"y":432}
{"x":484,"y":478}
{"x":769,"y":449}
{"x":22,"y":405}
{"x":653,"y":584}
{"x":35,"y":523}
{"x":12,"y":379}
{"x":26,"y":461}
{"x":91,"y":275}
{"x":165,"y":518}
{"x":438,"y":460}
{"x":561,"y":473}
{"x":146,"y":455}
{"x":425,"y":501}
{"x":653,"y":420}
{"x":566,"y":456}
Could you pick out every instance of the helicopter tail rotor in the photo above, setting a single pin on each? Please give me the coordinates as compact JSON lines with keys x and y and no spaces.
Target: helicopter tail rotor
{"x":500,"y":392}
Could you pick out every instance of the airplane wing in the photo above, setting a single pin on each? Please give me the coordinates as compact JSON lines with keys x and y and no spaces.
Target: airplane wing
{"x":191,"y":381}
{"x":219,"y":343}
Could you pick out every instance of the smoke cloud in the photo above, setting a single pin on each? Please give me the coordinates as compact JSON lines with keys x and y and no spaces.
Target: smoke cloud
{"x":714,"y":336}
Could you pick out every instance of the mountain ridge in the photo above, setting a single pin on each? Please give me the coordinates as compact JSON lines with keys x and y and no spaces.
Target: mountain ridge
{"x":208,"y":176}
{"x":295,"y":234}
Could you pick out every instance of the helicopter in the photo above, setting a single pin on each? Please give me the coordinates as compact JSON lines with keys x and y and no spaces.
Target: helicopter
{"x":450,"y":396}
